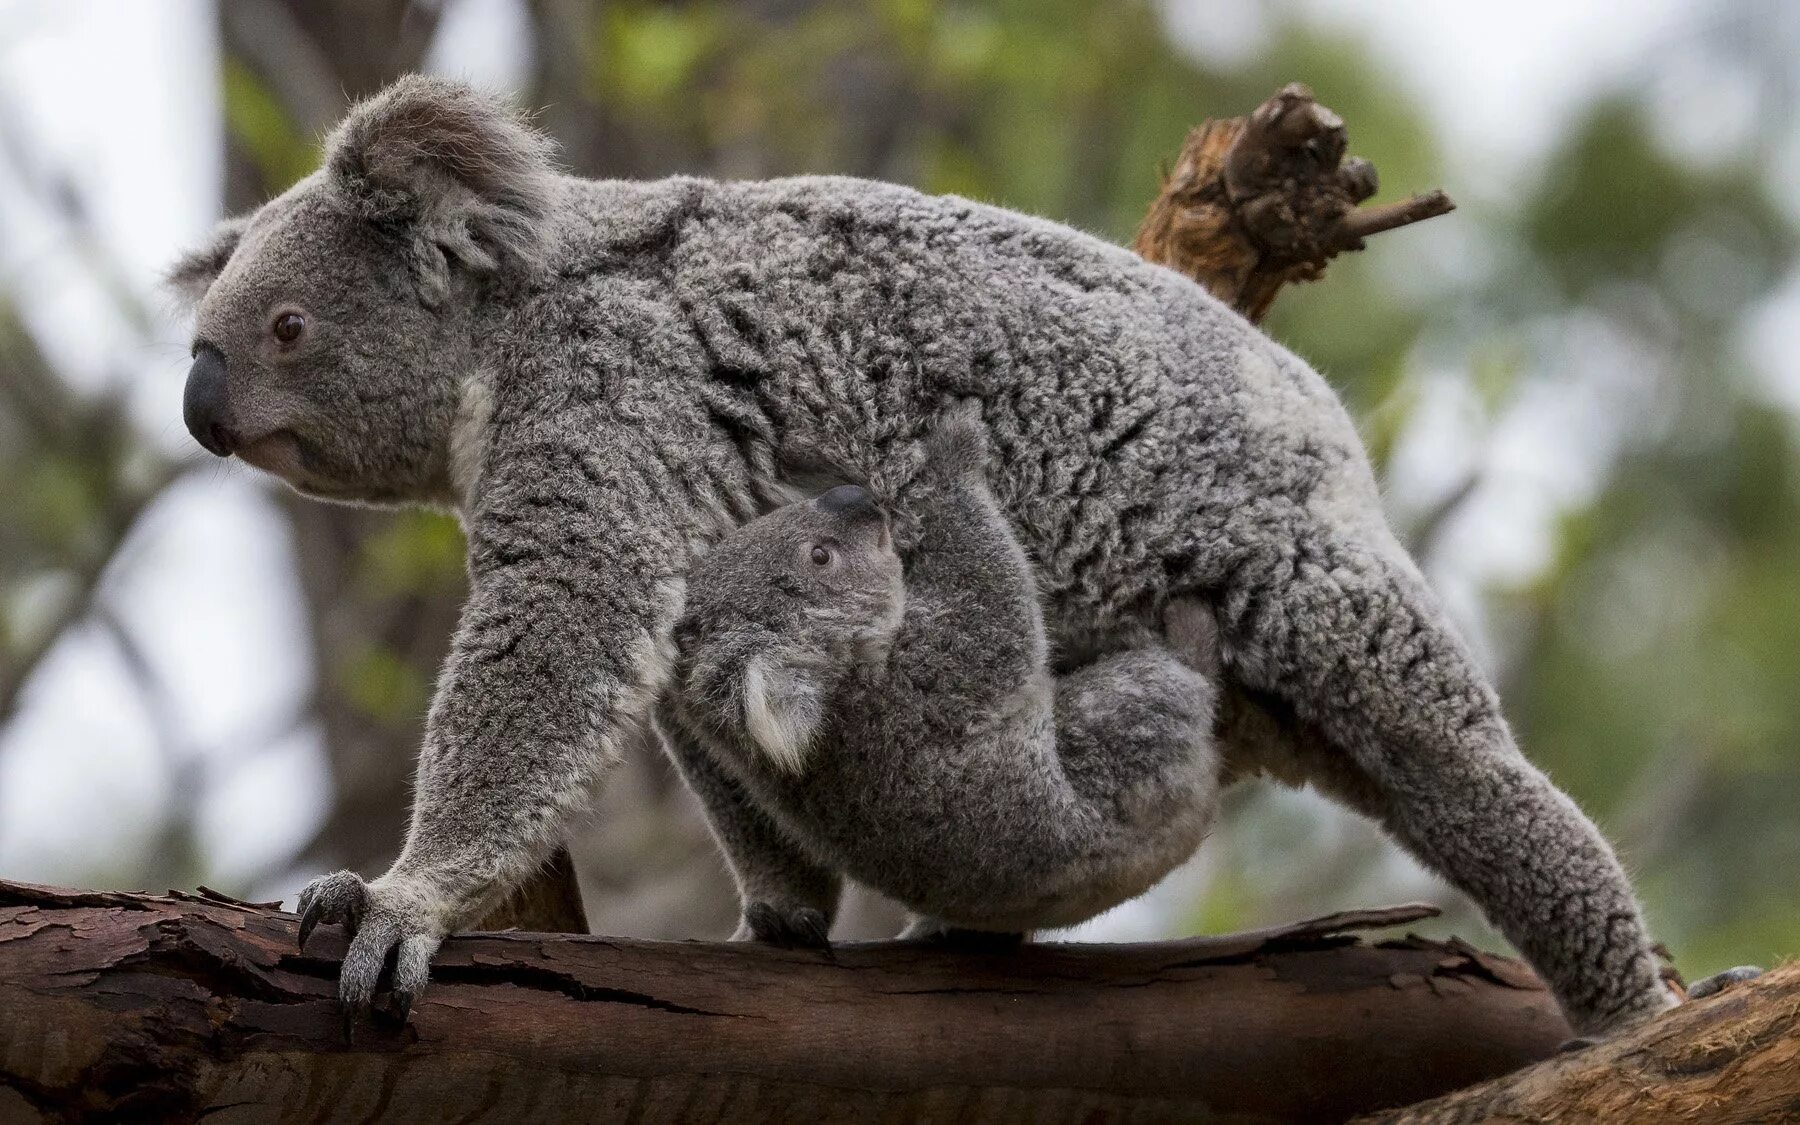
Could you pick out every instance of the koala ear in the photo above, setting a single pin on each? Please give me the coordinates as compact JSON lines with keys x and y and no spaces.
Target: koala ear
{"x":783,"y":711}
{"x":194,"y":272}
{"x":456,"y":169}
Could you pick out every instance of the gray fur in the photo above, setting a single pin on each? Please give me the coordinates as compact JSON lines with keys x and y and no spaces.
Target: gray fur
{"x":605,"y":377}
{"x":948,"y":767}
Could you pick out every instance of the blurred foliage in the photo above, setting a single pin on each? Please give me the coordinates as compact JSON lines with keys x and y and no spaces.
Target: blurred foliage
{"x":1651,"y":666}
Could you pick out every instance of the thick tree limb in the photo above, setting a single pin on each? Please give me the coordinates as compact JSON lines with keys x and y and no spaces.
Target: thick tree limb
{"x":1732,"y":1058}
{"x":175,"y":1007}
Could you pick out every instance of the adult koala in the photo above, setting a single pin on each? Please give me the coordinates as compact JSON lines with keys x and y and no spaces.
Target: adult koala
{"x":604,"y":377}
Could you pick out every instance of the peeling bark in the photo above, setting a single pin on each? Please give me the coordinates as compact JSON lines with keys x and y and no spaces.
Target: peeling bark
{"x":176,"y":1007}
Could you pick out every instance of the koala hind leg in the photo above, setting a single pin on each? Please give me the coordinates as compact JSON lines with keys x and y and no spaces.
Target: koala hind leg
{"x":1335,"y":624}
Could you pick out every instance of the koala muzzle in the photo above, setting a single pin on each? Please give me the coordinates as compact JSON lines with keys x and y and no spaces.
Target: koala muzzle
{"x":850,"y":502}
{"x":203,"y":404}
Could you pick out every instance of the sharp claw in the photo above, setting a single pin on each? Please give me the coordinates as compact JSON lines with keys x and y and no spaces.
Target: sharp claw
{"x":307,"y":921}
{"x":349,"y":1026}
{"x":403,"y":1003}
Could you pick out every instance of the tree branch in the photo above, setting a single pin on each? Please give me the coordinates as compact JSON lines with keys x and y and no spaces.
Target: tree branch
{"x":1731,"y":1058}
{"x":174,"y":1007}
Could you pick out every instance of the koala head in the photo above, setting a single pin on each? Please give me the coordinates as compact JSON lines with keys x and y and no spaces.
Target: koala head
{"x":334,"y":326}
{"x":779,"y":612}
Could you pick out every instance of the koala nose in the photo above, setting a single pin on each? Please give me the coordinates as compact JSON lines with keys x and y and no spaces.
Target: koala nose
{"x":203,"y":403}
{"x":850,"y":501}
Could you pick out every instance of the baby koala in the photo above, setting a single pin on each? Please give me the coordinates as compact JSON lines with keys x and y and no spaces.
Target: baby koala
{"x":844,"y":708}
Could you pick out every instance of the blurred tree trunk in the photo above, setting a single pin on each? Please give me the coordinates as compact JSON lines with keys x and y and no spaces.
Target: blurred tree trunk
{"x":308,"y":60}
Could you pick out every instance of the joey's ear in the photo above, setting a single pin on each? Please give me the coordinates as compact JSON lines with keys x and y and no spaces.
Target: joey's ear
{"x":193,"y":273}
{"x":454,"y":168}
{"x":783,"y":710}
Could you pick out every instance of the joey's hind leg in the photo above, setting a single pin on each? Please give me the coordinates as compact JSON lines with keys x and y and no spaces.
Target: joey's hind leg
{"x":1134,"y":732}
{"x":786,"y":899}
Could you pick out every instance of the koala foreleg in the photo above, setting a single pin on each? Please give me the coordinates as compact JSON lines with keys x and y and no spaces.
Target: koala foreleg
{"x":561,"y":650}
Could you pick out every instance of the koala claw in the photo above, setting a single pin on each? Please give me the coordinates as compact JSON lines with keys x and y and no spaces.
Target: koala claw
{"x":384,"y":923}
{"x":1719,"y":982}
{"x":799,"y":927}
{"x":341,"y":896}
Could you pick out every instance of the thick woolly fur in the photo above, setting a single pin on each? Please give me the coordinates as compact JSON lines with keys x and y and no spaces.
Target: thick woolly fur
{"x":661,"y":362}
{"x":934,"y":757}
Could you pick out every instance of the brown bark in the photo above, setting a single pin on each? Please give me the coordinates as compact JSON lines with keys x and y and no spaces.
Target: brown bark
{"x":179,"y":1006}
{"x":1257,"y":202}
{"x":1724,"y":1060}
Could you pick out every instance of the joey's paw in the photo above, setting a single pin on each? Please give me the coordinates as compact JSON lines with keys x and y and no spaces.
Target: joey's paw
{"x":790,"y":927}
{"x":1719,"y":982}
{"x":394,"y":928}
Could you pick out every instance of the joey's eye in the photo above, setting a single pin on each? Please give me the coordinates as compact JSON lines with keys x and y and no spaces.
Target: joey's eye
{"x":821,"y":556}
{"x":288,"y":327}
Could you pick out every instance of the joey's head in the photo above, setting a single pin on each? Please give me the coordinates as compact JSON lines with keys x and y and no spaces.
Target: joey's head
{"x":336,"y":326}
{"x":779,"y":612}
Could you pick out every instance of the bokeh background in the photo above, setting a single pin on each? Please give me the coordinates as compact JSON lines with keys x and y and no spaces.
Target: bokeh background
{"x":1581,"y":390}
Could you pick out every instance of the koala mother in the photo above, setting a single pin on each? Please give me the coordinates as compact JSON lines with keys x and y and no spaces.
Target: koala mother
{"x":604,"y":377}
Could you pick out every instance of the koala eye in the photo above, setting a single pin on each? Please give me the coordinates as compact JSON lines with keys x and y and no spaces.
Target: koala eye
{"x":288,"y":326}
{"x":821,"y":556}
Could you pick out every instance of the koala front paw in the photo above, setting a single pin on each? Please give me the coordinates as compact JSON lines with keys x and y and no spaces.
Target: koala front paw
{"x":379,"y":918}
{"x":790,"y":927}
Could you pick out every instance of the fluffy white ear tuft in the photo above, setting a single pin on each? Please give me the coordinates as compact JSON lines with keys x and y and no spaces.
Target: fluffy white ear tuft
{"x":470,"y":177}
{"x":783,"y":710}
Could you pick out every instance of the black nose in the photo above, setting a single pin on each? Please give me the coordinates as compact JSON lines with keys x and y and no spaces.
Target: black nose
{"x":203,"y":403}
{"x":851,"y":502}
